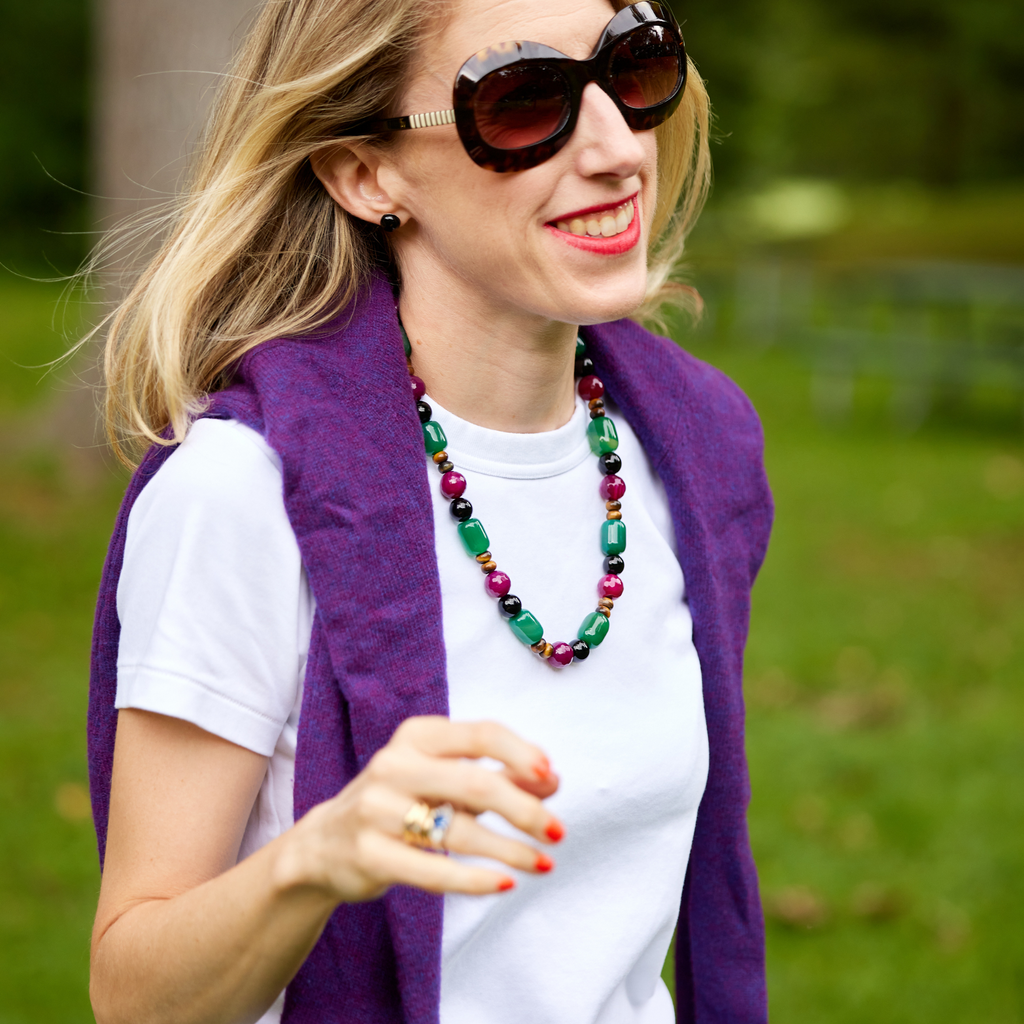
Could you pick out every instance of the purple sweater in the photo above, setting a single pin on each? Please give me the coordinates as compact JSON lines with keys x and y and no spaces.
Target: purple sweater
{"x":336,"y":407}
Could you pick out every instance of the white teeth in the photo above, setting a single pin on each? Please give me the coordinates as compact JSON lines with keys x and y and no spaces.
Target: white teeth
{"x":608,"y":224}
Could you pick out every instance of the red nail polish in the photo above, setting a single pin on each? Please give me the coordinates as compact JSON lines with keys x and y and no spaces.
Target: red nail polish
{"x":544,"y":864}
{"x":542,"y":769}
{"x":554,"y":831}
{"x":505,"y":884}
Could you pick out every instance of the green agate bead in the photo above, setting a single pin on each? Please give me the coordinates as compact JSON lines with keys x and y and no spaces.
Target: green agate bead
{"x":613,"y":536}
{"x":602,"y":435}
{"x":526,"y":627}
{"x":581,"y":346}
{"x":433,"y":437}
{"x":474,"y":536}
{"x":594,"y":629}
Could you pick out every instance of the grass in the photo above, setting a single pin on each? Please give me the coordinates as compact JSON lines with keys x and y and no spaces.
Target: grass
{"x":884,"y":688}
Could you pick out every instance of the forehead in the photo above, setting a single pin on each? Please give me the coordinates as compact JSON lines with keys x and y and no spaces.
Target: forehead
{"x":572,"y":26}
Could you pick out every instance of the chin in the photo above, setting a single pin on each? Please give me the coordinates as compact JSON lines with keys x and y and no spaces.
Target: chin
{"x":605,"y":301}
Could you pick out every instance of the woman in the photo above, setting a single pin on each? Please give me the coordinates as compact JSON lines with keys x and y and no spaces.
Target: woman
{"x":302,"y":696}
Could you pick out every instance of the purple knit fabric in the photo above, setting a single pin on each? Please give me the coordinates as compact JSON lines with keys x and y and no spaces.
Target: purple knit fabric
{"x":336,"y":407}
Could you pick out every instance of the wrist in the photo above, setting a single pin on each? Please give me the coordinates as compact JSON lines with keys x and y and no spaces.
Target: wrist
{"x":297,"y":864}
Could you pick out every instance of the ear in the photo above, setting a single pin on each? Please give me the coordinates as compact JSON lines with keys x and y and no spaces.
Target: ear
{"x":351,"y":175}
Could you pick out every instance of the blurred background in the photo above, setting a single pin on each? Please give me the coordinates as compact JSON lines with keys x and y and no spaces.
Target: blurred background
{"x":862,"y":265}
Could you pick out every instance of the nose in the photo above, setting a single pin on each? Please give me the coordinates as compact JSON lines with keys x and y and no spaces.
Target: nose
{"x":604,"y":143}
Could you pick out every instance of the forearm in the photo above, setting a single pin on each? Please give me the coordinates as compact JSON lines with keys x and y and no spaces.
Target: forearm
{"x":219,"y":953}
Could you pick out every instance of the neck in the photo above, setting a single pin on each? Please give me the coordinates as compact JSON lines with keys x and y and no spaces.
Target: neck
{"x":501,"y":368}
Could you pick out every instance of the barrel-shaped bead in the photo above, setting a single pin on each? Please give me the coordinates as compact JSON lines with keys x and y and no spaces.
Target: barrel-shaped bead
{"x":473,"y":536}
{"x":609,"y":586}
{"x":612,"y":487}
{"x":433,"y":437}
{"x":593,"y":629}
{"x":581,"y":346}
{"x":526,"y":627}
{"x":453,"y":484}
{"x":613,"y":536}
{"x":602,"y":435}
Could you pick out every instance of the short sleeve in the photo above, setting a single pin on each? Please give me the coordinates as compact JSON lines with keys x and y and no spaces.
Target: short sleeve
{"x":214,"y":605}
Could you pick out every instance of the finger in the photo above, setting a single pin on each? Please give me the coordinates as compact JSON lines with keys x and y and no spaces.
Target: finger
{"x":392,"y":862}
{"x":476,"y":789}
{"x":540,"y":788}
{"x":431,"y":734}
{"x":469,"y":837}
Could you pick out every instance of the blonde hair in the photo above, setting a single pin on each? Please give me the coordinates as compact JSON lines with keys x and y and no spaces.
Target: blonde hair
{"x":255,"y":247}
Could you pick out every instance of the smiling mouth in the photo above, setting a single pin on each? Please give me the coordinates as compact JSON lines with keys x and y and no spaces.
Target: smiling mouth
{"x":605,"y":224}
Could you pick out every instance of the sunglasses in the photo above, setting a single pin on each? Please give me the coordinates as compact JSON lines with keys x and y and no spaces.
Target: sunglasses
{"x":515,"y":105}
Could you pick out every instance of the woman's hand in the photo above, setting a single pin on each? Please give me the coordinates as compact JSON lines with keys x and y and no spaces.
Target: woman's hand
{"x":352,"y":848}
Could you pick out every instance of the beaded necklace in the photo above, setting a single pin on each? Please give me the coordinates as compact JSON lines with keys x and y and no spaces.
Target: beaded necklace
{"x":603,"y":439}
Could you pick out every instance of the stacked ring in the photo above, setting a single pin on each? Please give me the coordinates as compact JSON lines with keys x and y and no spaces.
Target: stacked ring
{"x":427,"y":827}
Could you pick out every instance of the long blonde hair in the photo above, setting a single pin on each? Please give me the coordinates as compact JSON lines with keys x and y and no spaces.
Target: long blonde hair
{"x":256,"y":249}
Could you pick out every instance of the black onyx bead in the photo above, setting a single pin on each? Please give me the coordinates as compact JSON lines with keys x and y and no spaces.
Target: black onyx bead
{"x":580,"y":649}
{"x":510,"y":605}
{"x":461,"y":509}
{"x":610,"y":463}
{"x":614,"y":564}
{"x":424,"y":410}
{"x":584,"y":366}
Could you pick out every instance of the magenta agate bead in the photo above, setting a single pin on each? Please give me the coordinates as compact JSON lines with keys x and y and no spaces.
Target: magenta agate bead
{"x":419,"y":389}
{"x":498,"y":583}
{"x":453,"y":484}
{"x":561,"y":654}
{"x":591,"y":387}
{"x":612,"y":487}
{"x":609,"y":586}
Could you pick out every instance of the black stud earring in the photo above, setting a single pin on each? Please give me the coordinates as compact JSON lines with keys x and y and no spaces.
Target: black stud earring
{"x":389,"y":222}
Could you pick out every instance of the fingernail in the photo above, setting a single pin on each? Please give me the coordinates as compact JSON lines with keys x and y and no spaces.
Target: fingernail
{"x":554,"y":831}
{"x":544,"y":864}
{"x":505,"y":884}
{"x":542,"y":769}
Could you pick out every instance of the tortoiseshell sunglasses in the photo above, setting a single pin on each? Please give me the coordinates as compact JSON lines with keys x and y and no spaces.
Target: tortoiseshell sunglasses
{"x":516,"y":104}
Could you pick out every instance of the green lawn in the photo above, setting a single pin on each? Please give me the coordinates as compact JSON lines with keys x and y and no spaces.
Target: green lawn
{"x":884,"y":682}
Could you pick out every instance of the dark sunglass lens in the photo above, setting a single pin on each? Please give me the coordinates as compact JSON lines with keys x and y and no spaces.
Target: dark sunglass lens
{"x":646,"y":66}
{"x":515,"y":107}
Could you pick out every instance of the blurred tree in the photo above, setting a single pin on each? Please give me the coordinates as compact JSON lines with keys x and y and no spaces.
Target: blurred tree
{"x":863,"y":90}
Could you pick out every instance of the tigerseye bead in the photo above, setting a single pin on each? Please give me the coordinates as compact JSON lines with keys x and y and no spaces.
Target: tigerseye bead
{"x":445,"y":467}
{"x":606,"y":612}
{"x":489,"y":567}
{"x":548,"y":651}
{"x":484,"y":556}
{"x":606,"y":602}
{"x":614,"y":515}
{"x":538,"y":647}
{"x":596,"y":403}
{"x":439,"y":457}
{"x":613,"y":506}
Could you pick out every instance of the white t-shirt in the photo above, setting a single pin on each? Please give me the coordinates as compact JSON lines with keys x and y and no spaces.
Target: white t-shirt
{"x":216,"y":614}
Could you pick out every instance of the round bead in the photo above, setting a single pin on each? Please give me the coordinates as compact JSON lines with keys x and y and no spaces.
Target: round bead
{"x":497,"y":583}
{"x":510,"y":605}
{"x":612,"y":488}
{"x":425,"y":411}
{"x":614,"y":564}
{"x":419,"y":389}
{"x":609,"y":463}
{"x":548,"y":650}
{"x":584,"y":367}
{"x":445,"y":467}
{"x":596,"y":414}
{"x":613,"y":514}
{"x":591,"y":388}
{"x":602,"y":610}
{"x":461,"y":509}
{"x":484,"y":556}
{"x":597,"y":403}
{"x":489,"y":566}
{"x":453,"y":484}
{"x":561,"y":654}
{"x":580,"y":649}
{"x":540,"y":646}
{"x":440,"y":458}
{"x":613,"y":506}
{"x":610,"y":585}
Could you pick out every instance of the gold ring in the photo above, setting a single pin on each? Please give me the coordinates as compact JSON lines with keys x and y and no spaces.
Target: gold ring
{"x":427,"y":827}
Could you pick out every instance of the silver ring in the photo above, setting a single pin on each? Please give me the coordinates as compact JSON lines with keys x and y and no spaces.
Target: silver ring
{"x":427,"y":827}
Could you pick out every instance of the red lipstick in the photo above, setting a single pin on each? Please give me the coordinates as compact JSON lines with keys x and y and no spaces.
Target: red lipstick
{"x":614,"y":246}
